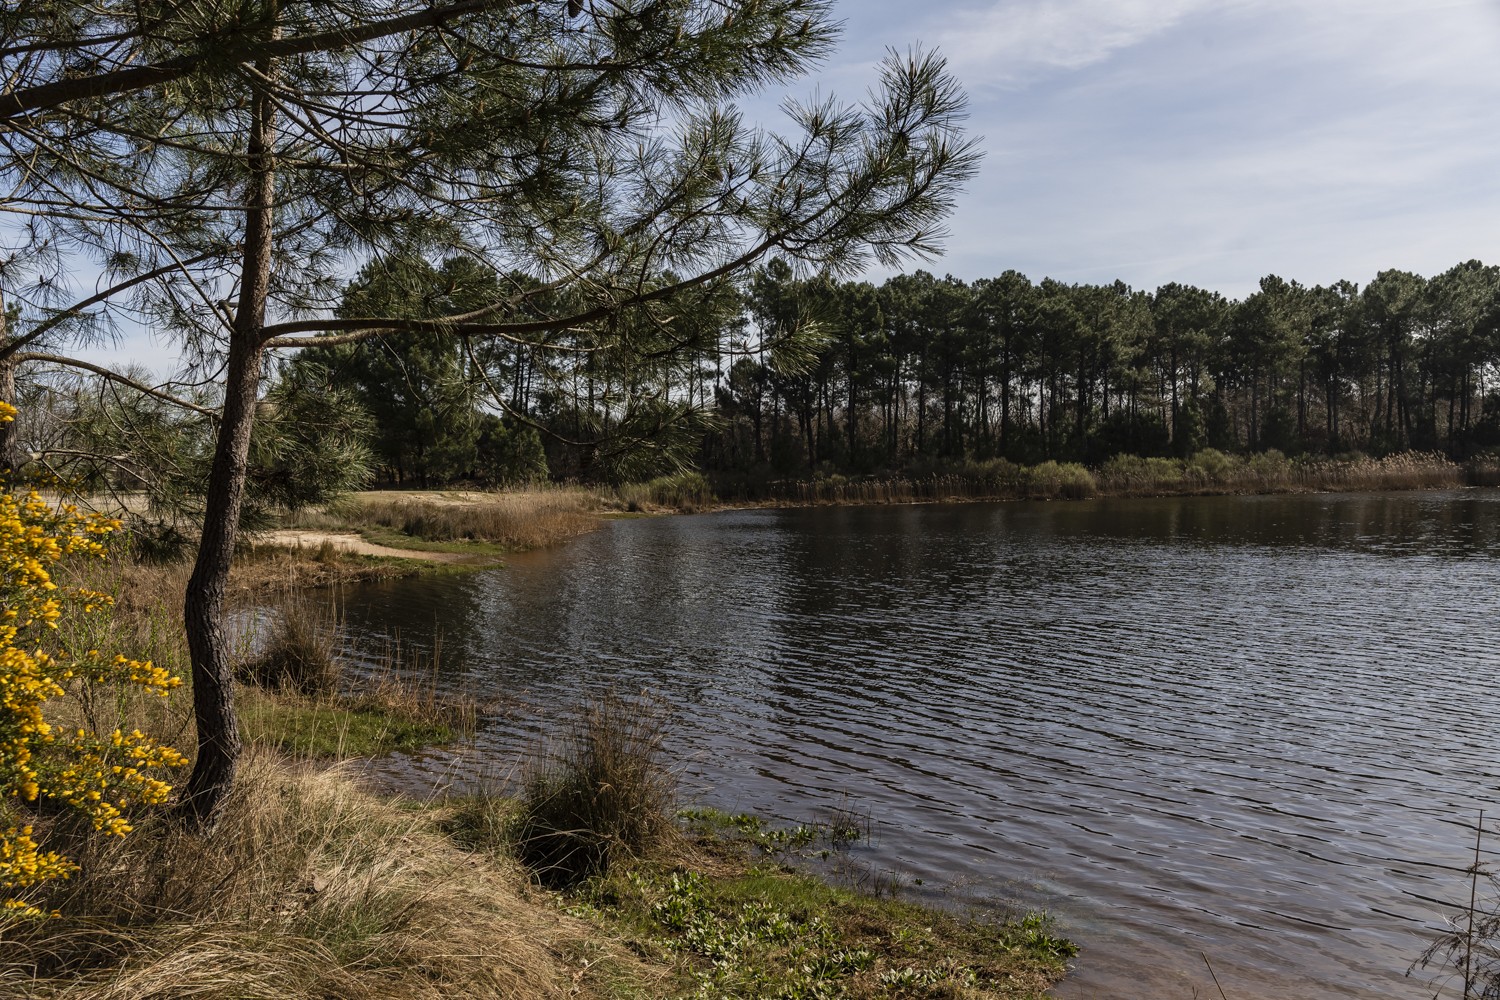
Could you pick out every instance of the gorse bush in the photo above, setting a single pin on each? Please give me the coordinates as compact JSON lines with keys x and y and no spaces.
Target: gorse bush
{"x":101,"y":775}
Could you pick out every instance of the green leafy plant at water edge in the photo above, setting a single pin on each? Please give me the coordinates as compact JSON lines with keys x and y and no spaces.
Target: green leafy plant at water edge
{"x":764,"y":932}
{"x":818,"y":839}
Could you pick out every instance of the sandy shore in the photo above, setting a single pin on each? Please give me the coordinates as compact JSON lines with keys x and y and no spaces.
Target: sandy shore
{"x":300,"y":538}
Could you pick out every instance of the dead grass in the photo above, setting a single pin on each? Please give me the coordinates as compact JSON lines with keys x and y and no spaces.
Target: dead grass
{"x":1214,"y":472}
{"x":308,"y":888}
{"x":299,"y":654}
{"x":516,"y":521}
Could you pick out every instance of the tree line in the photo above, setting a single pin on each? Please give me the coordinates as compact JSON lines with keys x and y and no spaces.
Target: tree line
{"x":922,"y":368}
{"x":790,"y":376}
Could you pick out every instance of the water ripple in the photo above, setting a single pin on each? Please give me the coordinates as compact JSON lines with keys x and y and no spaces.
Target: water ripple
{"x":1255,"y":727}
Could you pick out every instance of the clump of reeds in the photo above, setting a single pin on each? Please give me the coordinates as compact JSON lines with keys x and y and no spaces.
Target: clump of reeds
{"x":406,"y":685}
{"x":1484,"y":470}
{"x":299,"y":651}
{"x":1213,"y":471}
{"x":685,"y":492}
{"x":603,"y":792}
{"x":1059,"y":481}
{"x":364,"y":709}
{"x":1131,"y":475}
{"x":525,"y":519}
{"x":1407,"y":470}
{"x":482,"y":819}
{"x":1469,"y":949}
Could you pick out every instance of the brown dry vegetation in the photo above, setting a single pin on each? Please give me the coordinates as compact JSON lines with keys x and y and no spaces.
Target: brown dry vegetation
{"x":515,"y":521}
{"x":308,"y":888}
{"x":1209,"y":472}
{"x":1213,"y":472}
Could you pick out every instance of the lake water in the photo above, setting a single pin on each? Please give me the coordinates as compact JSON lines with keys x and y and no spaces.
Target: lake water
{"x":1253,"y":728}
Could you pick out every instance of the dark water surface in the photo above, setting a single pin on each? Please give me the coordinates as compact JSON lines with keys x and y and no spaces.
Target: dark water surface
{"x":1258,"y":728}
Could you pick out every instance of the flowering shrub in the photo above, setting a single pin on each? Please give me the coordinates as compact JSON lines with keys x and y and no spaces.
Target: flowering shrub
{"x":98,"y":774}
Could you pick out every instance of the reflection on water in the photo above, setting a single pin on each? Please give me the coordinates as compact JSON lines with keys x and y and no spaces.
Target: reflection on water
{"x":1252,"y":727}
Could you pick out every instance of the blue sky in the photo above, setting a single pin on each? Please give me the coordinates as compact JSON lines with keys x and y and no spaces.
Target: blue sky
{"x":1203,"y":141}
{"x":1212,"y":141}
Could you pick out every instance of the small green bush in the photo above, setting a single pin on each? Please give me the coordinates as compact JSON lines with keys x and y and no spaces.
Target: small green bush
{"x":1053,"y":480}
{"x":686,"y":491}
{"x":996,"y":475}
{"x":1270,"y":467}
{"x":1131,"y":473}
{"x":1211,"y":465}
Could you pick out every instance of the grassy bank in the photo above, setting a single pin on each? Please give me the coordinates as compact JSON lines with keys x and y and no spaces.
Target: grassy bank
{"x":477,"y":524}
{"x":476,"y":528}
{"x":313,"y":886}
{"x":1209,"y":472}
{"x":739,"y":923}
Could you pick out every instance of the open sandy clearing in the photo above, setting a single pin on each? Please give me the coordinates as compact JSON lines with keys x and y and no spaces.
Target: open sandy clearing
{"x":299,"y":538}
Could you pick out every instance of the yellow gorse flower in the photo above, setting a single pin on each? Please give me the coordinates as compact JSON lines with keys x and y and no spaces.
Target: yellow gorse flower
{"x":102,"y":775}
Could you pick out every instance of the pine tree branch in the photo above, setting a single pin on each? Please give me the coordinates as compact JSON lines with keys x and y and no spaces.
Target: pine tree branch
{"x":231,"y":48}
{"x":114,"y":376}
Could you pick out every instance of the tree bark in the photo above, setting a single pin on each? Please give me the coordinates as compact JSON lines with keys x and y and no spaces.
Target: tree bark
{"x":203,"y":606}
{"x":10,"y":444}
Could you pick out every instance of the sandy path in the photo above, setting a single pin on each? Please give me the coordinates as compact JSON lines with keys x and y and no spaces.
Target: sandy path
{"x":349,"y":542}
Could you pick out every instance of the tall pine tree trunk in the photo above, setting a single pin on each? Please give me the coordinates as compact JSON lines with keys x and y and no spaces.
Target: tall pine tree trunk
{"x":10,"y":445}
{"x":203,"y":607}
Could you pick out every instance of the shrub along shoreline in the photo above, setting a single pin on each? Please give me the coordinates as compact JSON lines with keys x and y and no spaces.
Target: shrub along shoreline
{"x":1207,"y":473}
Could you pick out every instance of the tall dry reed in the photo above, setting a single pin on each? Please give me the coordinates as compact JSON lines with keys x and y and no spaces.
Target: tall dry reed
{"x":520,"y":520}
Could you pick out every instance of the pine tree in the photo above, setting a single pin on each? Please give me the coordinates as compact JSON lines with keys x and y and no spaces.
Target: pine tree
{"x":227,"y":164}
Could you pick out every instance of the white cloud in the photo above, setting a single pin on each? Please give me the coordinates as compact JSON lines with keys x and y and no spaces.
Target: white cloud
{"x":1220,"y":140}
{"x":1012,"y":41}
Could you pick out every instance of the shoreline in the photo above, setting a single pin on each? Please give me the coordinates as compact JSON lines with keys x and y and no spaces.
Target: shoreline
{"x":359,"y":544}
{"x":310,"y":860}
{"x":320,"y":557}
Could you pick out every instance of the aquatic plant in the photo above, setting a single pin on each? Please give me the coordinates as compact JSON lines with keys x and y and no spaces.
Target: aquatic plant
{"x":1469,"y":948}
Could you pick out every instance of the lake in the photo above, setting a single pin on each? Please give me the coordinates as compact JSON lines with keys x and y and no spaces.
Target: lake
{"x":1253,"y":728}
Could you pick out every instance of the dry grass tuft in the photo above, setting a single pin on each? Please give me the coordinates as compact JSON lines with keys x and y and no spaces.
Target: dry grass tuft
{"x":603,"y":793}
{"x":300,"y":652}
{"x":308,"y":888}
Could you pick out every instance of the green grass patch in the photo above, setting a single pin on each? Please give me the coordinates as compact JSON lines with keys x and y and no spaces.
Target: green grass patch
{"x":328,"y":728}
{"x":735,"y":924}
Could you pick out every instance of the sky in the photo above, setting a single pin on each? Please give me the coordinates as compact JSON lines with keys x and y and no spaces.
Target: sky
{"x":1209,"y":142}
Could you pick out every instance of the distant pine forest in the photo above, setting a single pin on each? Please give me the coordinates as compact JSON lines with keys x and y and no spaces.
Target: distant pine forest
{"x":783,"y":378}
